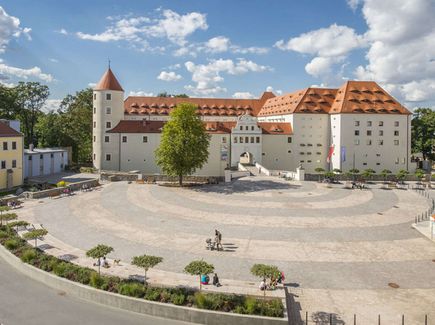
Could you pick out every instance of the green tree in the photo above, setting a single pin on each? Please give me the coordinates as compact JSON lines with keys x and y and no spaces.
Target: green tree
{"x":384,"y":173}
{"x":354,"y":172}
{"x":8,"y":103}
{"x":423,"y":132}
{"x":401,"y":175}
{"x":146,"y":262}
{"x":35,"y":235}
{"x":199,"y":268}
{"x":7,"y":217}
{"x":367,"y":173}
{"x":420,"y":174}
{"x":17,"y":224}
{"x":49,"y":130}
{"x":320,"y":171}
{"x":184,"y":143}
{"x":266,"y":272}
{"x":337,"y":171}
{"x":166,"y":94}
{"x":329,"y":175}
{"x":30,"y":98}
{"x":99,"y":252}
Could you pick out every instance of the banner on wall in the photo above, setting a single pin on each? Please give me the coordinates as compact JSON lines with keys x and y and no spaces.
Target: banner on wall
{"x":224,"y":152}
{"x":331,"y":151}
{"x":343,"y":153}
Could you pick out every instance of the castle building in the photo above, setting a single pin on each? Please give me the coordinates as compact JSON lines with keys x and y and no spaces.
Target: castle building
{"x":358,"y":125}
{"x":11,"y":155}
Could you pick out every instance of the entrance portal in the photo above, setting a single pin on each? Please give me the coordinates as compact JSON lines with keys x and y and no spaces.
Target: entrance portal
{"x":246,"y":158}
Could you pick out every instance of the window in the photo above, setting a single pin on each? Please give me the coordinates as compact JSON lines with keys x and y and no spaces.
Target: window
{"x":246,"y":139}
{"x":319,"y":144}
{"x":3,"y":164}
{"x":381,"y":123}
{"x":106,"y":139}
{"x":289,"y":151}
{"x":51,"y":155}
{"x":95,"y":96}
{"x":108,"y":96}
{"x":41,"y":156}
{"x":381,"y":133}
{"x":308,"y":161}
{"x":246,"y":128}
{"x":124,"y":138}
{"x":369,"y":123}
{"x":397,"y":161}
{"x":302,"y":144}
{"x":241,"y":128}
{"x":144,"y":139}
{"x":61,"y":154}
{"x":108,"y":125}
{"x":241,"y":139}
{"x":224,"y":140}
{"x":308,"y":153}
{"x":377,"y":164}
{"x":95,"y":110}
{"x":252,"y":128}
{"x":356,"y":142}
{"x":396,"y":142}
{"x":381,"y":142}
{"x":289,"y":139}
{"x":369,"y":142}
{"x":14,"y":163}
{"x":302,"y":153}
{"x":95,"y":156}
{"x":95,"y":138}
{"x":108,"y":110}
{"x":309,"y":144}
{"x":235,"y":139}
{"x":257,"y":140}
{"x":396,"y":123}
{"x":369,"y":132}
{"x":356,"y":123}
{"x":396,"y":133}
{"x":5,"y":146}
{"x":301,"y":161}
{"x":108,"y":157}
{"x":30,"y":158}
{"x":357,"y":132}
{"x":14,"y":145}
{"x":364,"y":164}
{"x":378,"y":155}
{"x":403,"y":160}
{"x":95,"y":124}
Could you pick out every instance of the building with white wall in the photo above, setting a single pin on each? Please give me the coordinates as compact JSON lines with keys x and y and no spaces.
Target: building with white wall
{"x":44,"y":161}
{"x":358,"y":125}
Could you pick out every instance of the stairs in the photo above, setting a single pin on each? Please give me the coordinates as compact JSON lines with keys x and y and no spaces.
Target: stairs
{"x":252,"y":169}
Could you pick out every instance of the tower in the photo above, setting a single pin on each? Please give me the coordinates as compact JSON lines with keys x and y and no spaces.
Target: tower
{"x":108,"y":111}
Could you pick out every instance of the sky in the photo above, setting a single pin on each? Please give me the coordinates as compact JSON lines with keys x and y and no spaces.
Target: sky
{"x":220,"y":48}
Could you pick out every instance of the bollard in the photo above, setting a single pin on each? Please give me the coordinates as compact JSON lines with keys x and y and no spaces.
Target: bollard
{"x":403,"y":319}
{"x":379,"y":319}
{"x":354,"y":319}
{"x":330,"y":319}
{"x":306,"y":318}
{"x":425,"y":319}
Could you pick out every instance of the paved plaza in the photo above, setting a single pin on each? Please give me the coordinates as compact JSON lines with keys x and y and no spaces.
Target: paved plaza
{"x":339,"y":248}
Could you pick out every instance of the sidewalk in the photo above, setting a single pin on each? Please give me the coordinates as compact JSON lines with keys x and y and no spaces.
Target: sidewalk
{"x":155,"y":277}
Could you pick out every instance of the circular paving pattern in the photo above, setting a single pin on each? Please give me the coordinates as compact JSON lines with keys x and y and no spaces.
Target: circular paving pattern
{"x":322,"y":238}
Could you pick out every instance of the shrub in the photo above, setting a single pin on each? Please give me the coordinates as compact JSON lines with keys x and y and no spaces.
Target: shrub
{"x":12,"y":244}
{"x":165,"y":296}
{"x":178,"y":299}
{"x":3,"y":234}
{"x":96,"y":280}
{"x":47,"y":262}
{"x":111,"y":283}
{"x":131,"y":289}
{"x":272,"y":308}
{"x":200,"y":301}
{"x":61,"y":184}
{"x":60,"y":269}
{"x":29,"y":255}
{"x":250,"y":305}
{"x":152,"y":294}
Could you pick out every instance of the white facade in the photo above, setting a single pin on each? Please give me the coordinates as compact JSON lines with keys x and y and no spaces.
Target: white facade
{"x":246,"y":139}
{"x":44,"y":161}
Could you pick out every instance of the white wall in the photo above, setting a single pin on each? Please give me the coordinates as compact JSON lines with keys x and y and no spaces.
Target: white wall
{"x":246,"y":129}
{"x":278,"y":153}
{"x":50,"y":164}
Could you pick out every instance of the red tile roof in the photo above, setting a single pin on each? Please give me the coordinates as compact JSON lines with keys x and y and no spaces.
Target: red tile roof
{"x":205,"y":106}
{"x":7,"y":131}
{"x":145,"y":126}
{"x":108,"y":82}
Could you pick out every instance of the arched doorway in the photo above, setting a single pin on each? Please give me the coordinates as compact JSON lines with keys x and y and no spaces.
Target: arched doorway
{"x":246,"y":158}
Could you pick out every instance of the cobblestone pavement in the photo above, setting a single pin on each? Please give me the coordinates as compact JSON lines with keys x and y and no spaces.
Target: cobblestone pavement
{"x":340,"y":248}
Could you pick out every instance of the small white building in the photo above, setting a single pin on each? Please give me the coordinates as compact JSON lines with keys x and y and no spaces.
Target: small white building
{"x":44,"y":161}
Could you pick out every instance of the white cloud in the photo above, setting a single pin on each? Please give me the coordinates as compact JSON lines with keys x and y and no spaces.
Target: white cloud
{"x":51,"y":105}
{"x":10,"y":27}
{"x":174,"y":66}
{"x":92,"y":84}
{"x":34,"y":72}
{"x":402,"y":47}
{"x":169,"y":76}
{"x":140,"y":93}
{"x":218,"y":44}
{"x":243,"y":95}
{"x":353,"y":4}
{"x":53,"y":60}
{"x":138,"y":30}
{"x":62,"y":31}
{"x":249,"y":50}
{"x":270,"y":89}
{"x":208,"y":76}
{"x":329,"y":46}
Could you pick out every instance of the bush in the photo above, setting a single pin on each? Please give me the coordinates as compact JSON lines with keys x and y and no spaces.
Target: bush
{"x":12,"y":244}
{"x":152,"y":294}
{"x":250,"y":305}
{"x":165,"y":296}
{"x":61,"y":184}
{"x":178,"y":299}
{"x":96,"y":280}
{"x":272,"y":308}
{"x":132,"y":289}
{"x":29,"y":255}
{"x":3,"y":234}
{"x":60,"y":269}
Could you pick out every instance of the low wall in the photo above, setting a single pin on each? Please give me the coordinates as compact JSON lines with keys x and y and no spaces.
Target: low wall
{"x":59,"y":190}
{"x":136,"y":305}
{"x":130,"y":177}
{"x":376,"y":178}
{"x":240,"y":174}
{"x":263,"y":170}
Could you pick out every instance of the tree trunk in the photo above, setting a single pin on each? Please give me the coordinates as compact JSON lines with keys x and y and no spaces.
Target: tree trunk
{"x":200,"y":284}
{"x":99,"y":267}
{"x":180,"y":180}
{"x":145,"y":279}
{"x":36,"y":244}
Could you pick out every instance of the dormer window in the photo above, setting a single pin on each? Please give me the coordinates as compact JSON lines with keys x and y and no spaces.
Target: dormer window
{"x":108,"y":96}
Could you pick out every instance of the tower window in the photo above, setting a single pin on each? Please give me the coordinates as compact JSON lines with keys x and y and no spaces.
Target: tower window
{"x":108,"y":125}
{"x":108,"y":110}
{"x":289,"y":139}
{"x":95,"y":96}
{"x":144,"y":139}
{"x":95,"y":124}
{"x":108,"y":157}
{"x":95,"y":110}
{"x":106,"y":139}
{"x":108,"y":96}
{"x":124,"y":138}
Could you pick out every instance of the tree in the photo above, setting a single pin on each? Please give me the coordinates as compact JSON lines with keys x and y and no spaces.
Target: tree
{"x":6,"y":217}
{"x":17,"y":224}
{"x":368,"y":173}
{"x":184,"y":143}
{"x":199,"y":268}
{"x":8,"y":102}
{"x":420,"y":174}
{"x":30,"y":97}
{"x":266,"y":272}
{"x":320,"y":171}
{"x":337,"y":171}
{"x":166,"y":94}
{"x":49,"y":130}
{"x":35,"y":235}
{"x":329,"y":175}
{"x":99,"y":252}
{"x":401,"y":175}
{"x":146,"y":262}
{"x":384,"y":173}
{"x":423,"y":132}
{"x":354,"y":172}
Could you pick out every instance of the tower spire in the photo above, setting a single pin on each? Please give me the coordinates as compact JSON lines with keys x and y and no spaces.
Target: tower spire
{"x":108,"y":61}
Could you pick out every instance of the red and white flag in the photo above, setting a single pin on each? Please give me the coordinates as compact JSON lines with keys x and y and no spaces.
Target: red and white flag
{"x":331,"y":151}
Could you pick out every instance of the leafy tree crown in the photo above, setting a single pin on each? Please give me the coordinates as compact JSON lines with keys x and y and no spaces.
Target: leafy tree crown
{"x":265,"y":271}
{"x":146,"y":261}
{"x":99,"y":251}
{"x":199,"y":268}
{"x":35,"y":234}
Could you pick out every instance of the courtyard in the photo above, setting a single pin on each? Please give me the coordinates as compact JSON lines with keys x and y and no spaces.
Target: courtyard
{"x":339,"y":248}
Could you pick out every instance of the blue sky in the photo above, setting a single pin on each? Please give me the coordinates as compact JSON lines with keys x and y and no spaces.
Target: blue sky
{"x":220,"y":48}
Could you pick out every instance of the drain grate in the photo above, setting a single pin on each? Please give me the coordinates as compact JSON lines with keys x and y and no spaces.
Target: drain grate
{"x":393,"y":285}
